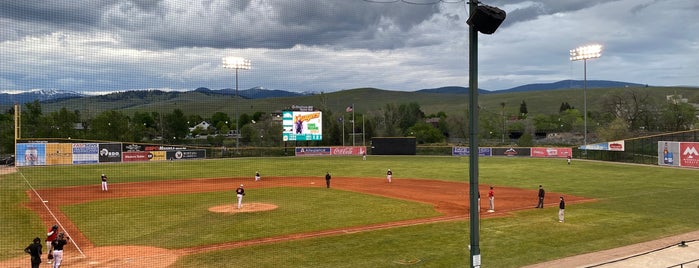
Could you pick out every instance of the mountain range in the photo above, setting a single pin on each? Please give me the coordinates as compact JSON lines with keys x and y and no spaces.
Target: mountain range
{"x":52,"y":95}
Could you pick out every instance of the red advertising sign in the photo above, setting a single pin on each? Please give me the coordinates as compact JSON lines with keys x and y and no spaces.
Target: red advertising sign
{"x":551,"y":152}
{"x":136,"y":156}
{"x":348,"y":150}
{"x":689,"y":154}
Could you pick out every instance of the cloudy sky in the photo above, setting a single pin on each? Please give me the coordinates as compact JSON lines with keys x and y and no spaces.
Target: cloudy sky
{"x":330,"y":45}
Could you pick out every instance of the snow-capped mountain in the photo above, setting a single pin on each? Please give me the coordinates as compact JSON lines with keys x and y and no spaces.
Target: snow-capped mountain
{"x":40,"y":95}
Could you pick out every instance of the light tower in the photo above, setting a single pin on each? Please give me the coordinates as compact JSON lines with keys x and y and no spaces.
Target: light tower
{"x":584,"y":53}
{"x":236,"y":63}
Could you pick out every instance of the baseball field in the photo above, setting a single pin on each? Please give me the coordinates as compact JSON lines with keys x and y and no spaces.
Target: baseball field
{"x":180,"y":213}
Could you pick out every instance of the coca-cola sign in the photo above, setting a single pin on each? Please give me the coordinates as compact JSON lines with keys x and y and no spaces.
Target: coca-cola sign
{"x":348,"y":150}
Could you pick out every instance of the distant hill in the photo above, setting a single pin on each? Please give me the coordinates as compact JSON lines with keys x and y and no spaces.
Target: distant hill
{"x":41,"y":95}
{"x":252,"y":93}
{"x":564,"y":84}
{"x":573,"y":84}
{"x":53,"y":95}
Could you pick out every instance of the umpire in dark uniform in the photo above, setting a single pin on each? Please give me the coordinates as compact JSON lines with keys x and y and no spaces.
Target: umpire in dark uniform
{"x":34,"y":250}
{"x":327,"y":179}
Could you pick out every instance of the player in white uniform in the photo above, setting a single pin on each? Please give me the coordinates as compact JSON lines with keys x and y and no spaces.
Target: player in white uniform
{"x":104,"y":183}
{"x":389,"y":175}
{"x":257,"y":176}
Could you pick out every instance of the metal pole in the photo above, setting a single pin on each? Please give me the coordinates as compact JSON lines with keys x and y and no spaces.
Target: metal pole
{"x":237,"y":131}
{"x":473,"y":140}
{"x":585,"y":100}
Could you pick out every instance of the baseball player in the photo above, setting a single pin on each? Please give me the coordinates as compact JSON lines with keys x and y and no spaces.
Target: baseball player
{"x":240,"y":192}
{"x":58,"y":244}
{"x":491,"y":198}
{"x":542,"y":193}
{"x":104,"y":182}
{"x":327,"y":179}
{"x":257,"y":176}
{"x":50,"y":236}
{"x":561,"y":210}
{"x":389,"y":174}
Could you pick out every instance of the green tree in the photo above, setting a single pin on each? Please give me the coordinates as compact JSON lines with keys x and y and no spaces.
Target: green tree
{"x":175,"y":126}
{"x":7,"y":132}
{"x":110,"y":126}
{"x":63,"y":123}
{"x":425,"y":133}
{"x":616,"y":130}
{"x":523,"y":110}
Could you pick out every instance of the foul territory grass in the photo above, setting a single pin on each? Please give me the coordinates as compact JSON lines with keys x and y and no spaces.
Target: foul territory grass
{"x":634,"y":203}
{"x":177,"y":221}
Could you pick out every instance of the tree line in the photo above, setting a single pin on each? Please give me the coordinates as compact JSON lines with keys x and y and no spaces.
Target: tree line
{"x":624,"y":115}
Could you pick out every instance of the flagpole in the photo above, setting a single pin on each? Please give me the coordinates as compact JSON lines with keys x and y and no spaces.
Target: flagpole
{"x":343,"y":130}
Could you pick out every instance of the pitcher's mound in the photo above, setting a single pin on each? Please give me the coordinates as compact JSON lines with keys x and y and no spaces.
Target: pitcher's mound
{"x":247,"y":207}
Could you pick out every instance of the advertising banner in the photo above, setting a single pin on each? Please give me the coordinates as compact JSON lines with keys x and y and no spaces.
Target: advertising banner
{"x":136,"y":156}
{"x":605,"y":146}
{"x":312,"y":151}
{"x":348,"y":150}
{"x":86,"y":153}
{"x":30,"y":154}
{"x":109,"y":152}
{"x":690,"y":154}
{"x":667,"y":152}
{"x":551,"y":152}
{"x":512,"y":151}
{"x":59,"y":154}
{"x":466,"y":151}
{"x":186,"y":154}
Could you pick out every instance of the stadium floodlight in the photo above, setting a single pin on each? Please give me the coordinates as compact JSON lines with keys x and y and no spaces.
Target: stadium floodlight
{"x":584,"y":53}
{"x":236,"y":63}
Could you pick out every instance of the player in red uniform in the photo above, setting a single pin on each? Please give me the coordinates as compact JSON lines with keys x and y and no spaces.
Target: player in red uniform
{"x":50,"y":236}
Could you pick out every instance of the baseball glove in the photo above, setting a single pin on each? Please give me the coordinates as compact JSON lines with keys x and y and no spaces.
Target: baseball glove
{"x":50,"y":256}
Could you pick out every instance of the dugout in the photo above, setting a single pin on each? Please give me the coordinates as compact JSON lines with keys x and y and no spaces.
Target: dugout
{"x":393,"y":146}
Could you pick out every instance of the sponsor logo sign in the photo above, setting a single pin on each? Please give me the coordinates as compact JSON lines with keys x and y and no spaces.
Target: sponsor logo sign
{"x":312,"y":151}
{"x":186,"y":154}
{"x":551,"y":152}
{"x":348,"y":150}
{"x":110,"y":152}
{"x":689,"y":156}
{"x":466,"y":151}
{"x":85,"y":153}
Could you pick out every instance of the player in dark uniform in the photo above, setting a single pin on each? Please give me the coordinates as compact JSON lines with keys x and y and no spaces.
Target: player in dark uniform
{"x":34,"y":250}
{"x":542,"y":193}
{"x":58,"y":245}
{"x":327,"y":179}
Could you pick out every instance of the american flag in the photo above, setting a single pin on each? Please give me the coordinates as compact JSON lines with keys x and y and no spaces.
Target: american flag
{"x":349,"y":109}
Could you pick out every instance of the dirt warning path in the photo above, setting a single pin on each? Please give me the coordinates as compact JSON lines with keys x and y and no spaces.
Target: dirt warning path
{"x":449,"y":198}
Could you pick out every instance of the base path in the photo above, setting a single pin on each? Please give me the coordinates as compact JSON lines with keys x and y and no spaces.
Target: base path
{"x":449,"y":198}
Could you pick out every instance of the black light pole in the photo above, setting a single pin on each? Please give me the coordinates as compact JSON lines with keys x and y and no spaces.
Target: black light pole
{"x":484,"y":19}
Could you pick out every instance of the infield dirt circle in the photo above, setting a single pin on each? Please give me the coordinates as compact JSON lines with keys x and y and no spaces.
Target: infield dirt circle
{"x":448,"y":198}
{"x":247,"y":207}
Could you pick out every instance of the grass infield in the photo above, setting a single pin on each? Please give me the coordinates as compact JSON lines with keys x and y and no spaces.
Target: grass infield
{"x":635,"y":204}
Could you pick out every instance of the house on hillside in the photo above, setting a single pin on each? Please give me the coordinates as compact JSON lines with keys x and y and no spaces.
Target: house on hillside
{"x":203,"y":125}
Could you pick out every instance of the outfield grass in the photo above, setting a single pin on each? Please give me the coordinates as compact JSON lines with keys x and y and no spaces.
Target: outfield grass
{"x":635,"y":203}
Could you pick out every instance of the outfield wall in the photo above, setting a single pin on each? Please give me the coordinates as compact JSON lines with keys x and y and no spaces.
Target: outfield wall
{"x":48,"y":154}
{"x":550,"y":152}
